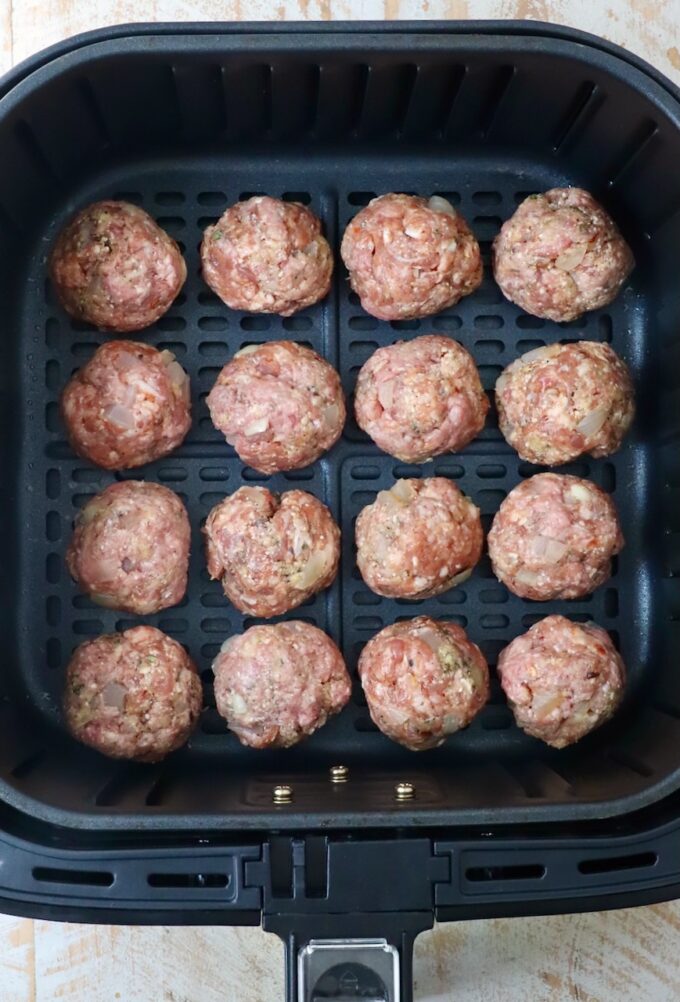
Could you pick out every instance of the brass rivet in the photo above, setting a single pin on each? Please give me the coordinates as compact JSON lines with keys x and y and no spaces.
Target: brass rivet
{"x":282,"y":794}
{"x":404,"y":791}
{"x":339,"y":773}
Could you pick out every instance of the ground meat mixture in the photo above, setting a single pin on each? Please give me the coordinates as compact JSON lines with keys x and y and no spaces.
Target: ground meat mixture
{"x":267,"y":256}
{"x":271,"y":552}
{"x":423,"y":680}
{"x":420,"y":398}
{"x":561,"y":254}
{"x":558,"y":402}
{"x":114,"y":267}
{"x":553,"y":538}
{"x":130,"y":548}
{"x":129,"y":405}
{"x":132,"y":695}
{"x":562,"y":679}
{"x":418,"y":539}
{"x":279,"y":404}
{"x":274,"y":685}
{"x":408,"y":257}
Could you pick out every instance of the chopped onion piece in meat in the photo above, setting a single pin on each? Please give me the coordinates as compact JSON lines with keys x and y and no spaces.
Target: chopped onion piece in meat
{"x":402,"y":491}
{"x":113,"y":694}
{"x":386,"y":394}
{"x":256,"y":427}
{"x":538,"y":353}
{"x":548,"y":549}
{"x":248,"y":350}
{"x":315,"y":568}
{"x":121,"y":416}
{"x":592,"y":423}
{"x":439,"y":204}
{"x":571,"y":258}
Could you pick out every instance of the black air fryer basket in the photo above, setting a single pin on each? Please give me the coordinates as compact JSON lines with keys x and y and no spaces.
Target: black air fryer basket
{"x":184,"y":120}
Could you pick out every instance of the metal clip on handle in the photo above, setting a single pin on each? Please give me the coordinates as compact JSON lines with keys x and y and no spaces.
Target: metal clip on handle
{"x":348,"y":969}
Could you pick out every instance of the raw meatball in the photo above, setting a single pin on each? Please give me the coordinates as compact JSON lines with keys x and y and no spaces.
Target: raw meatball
{"x":560,"y":255}
{"x":114,"y":267}
{"x":558,"y":402}
{"x":132,"y":695}
{"x":271,"y":552}
{"x":408,"y":257}
{"x":554,"y":537}
{"x":267,"y":256}
{"x":418,"y":539}
{"x":130,"y":548}
{"x":562,"y":679}
{"x":128,"y":406}
{"x":279,"y":404}
{"x":423,"y":680}
{"x":274,"y":685}
{"x":420,"y":398}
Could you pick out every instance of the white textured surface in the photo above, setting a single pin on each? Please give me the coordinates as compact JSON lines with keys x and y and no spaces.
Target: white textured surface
{"x":624,"y":956}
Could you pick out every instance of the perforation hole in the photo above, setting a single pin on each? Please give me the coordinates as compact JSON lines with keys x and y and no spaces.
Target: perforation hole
{"x":213,"y":349}
{"x":52,"y":333}
{"x":360,"y":197}
{"x":213,"y":323}
{"x":53,"y":652}
{"x":365,"y":472}
{"x":405,"y":325}
{"x":527,"y":323}
{"x":168,"y":323}
{"x":210,"y":473}
{"x":52,"y":423}
{"x":53,"y":568}
{"x":297,"y":323}
{"x":489,"y":347}
{"x":171,"y":222}
{"x":363,"y":323}
{"x":53,"y":610}
{"x":491,"y":596}
{"x":488,"y":323}
{"x":53,"y":484}
{"x":491,"y":471}
{"x":363,"y":598}
{"x":52,"y":375}
{"x":170,"y":197}
{"x":88,"y":627}
{"x":211,"y":198}
{"x":53,"y":526}
{"x":203,"y":222}
{"x":210,"y":498}
{"x":456,"y":596}
{"x":297,"y":196}
{"x":255,"y":323}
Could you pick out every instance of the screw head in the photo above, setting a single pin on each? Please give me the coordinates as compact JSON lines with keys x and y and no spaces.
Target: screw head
{"x":282,"y":794}
{"x":404,"y":791}
{"x":339,"y":773}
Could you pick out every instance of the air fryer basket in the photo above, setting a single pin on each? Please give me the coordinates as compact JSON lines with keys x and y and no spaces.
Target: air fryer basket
{"x":184,"y":121}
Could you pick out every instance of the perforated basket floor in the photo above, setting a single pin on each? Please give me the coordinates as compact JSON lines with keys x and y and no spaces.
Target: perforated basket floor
{"x":204,"y":334}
